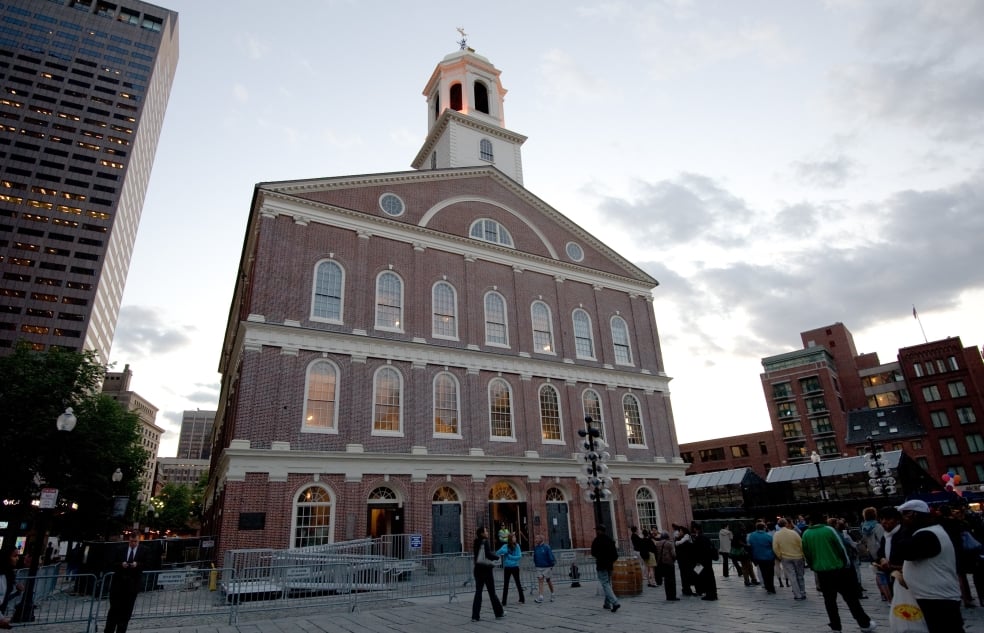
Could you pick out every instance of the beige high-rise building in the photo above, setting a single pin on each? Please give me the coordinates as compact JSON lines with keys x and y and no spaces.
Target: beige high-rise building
{"x":117,"y":385}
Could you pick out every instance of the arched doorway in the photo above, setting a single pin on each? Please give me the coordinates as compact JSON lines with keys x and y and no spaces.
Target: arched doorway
{"x":446,"y":521}
{"x":384,"y":517}
{"x":506,"y":508}
{"x":558,"y":528}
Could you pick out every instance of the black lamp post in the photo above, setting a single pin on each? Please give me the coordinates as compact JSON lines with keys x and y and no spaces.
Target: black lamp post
{"x":815,"y":458}
{"x":115,"y":509}
{"x":49,"y":500}
{"x":598,"y":482}
{"x":881,"y":480}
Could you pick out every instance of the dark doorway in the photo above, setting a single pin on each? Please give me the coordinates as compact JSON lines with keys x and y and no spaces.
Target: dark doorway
{"x":446,"y":526}
{"x":558,"y":527}
{"x":513,"y":515}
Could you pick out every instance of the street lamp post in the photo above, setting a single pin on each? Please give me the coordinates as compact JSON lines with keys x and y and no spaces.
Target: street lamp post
{"x":881,"y":480}
{"x":815,"y":458}
{"x":65,"y":423}
{"x":114,"y":512}
{"x":597,"y":482}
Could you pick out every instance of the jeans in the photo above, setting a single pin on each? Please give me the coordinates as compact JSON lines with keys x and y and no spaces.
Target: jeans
{"x":605,"y":580}
{"x":507,"y":573}
{"x":794,"y":568}
{"x":484,"y":581}
{"x":843,"y":582}
{"x":942,"y":616}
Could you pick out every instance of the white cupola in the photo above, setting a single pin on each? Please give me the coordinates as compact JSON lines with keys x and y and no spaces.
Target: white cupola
{"x":465,"y":120}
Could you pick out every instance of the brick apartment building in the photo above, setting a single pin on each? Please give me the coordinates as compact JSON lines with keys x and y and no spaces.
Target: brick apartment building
{"x":828,"y":398}
{"x":415,"y":352}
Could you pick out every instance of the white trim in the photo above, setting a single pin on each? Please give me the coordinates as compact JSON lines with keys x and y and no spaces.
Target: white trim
{"x":333,"y":429}
{"x":375,"y":303}
{"x":375,"y":385}
{"x":341,"y":294}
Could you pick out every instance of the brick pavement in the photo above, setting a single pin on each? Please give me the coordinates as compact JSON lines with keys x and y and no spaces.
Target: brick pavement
{"x":740,"y":609}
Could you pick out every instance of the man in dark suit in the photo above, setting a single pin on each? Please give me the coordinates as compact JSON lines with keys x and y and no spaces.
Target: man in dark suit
{"x":127,"y":573}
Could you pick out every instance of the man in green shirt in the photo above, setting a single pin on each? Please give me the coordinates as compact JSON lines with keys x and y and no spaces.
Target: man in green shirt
{"x":825,"y":553}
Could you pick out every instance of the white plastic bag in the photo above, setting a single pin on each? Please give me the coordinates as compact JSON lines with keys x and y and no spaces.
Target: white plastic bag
{"x":905,"y":615}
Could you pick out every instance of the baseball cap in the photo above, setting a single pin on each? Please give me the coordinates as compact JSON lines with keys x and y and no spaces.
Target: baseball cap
{"x":914,"y":505}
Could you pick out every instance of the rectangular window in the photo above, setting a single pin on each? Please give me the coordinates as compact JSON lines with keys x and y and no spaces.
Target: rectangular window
{"x":957,"y":389}
{"x":741,"y":450}
{"x":782,"y":391}
{"x":786,"y":410}
{"x":952,"y":362}
{"x":930,"y":369}
{"x":811,"y":384}
{"x":821,"y":425}
{"x":816,"y":404}
{"x":916,"y":445}
{"x":966,"y":415}
{"x":939,"y":419}
{"x":931,"y":393}
{"x":792,"y":429}
{"x":828,"y":447}
{"x":712,"y":454}
{"x":948,"y":446}
{"x":763,"y":448}
{"x":975,"y":442}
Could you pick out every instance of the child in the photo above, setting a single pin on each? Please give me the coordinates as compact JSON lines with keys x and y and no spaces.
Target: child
{"x":543,"y":560}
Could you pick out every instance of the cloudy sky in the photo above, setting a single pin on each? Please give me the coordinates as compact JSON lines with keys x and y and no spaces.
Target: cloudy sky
{"x":777,"y":166}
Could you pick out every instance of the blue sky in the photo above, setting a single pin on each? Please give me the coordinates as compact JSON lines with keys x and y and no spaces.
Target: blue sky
{"x":777,"y":166}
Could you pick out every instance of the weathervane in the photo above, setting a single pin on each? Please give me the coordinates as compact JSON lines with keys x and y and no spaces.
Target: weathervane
{"x":464,"y":38}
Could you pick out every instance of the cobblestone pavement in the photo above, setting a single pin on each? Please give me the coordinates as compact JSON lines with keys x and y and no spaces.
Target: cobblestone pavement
{"x":739,"y":609}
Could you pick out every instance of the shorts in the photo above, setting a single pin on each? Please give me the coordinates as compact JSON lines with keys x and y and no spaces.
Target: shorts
{"x":544,"y":572}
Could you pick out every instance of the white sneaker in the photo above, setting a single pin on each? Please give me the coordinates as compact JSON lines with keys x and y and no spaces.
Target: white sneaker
{"x":872,"y":626}
{"x":551,"y":596}
{"x":538,"y":600}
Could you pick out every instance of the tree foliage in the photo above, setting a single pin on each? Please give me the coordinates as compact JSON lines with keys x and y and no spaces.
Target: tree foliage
{"x":35,"y":388}
{"x":175,"y":507}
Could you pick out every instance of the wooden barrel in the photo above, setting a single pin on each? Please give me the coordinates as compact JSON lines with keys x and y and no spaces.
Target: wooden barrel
{"x":627,"y":577}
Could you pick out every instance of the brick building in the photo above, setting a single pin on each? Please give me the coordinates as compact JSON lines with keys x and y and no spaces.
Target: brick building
{"x":415,"y":352}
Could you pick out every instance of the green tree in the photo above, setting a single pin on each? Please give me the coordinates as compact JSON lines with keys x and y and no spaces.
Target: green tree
{"x":35,"y":388}
{"x":175,"y":507}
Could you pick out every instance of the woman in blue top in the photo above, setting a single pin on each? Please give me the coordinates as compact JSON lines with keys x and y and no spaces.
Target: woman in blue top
{"x":760,"y":543}
{"x":511,"y":556}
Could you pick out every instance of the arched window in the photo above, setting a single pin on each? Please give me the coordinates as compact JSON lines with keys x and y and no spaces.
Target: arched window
{"x":313,"y":510}
{"x":387,"y":414}
{"x":490,"y":231}
{"x":320,"y":406}
{"x":383,"y":495}
{"x":389,"y":302}
{"x":503,"y":491}
{"x":542,"y":328}
{"x":446,"y":405}
{"x":496,"y":328}
{"x":456,"y":97}
{"x":620,"y":339}
{"x":446,"y":494}
{"x":444,"y":306}
{"x":646,"y":510}
{"x":591,"y":402}
{"x":328,"y":283}
{"x":633,"y":420}
{"x":485,"y":150}
{"x":583,"y":337}
{"x":500,"y":409}
{"x":481,"y":97}
{"x":550,"y":414}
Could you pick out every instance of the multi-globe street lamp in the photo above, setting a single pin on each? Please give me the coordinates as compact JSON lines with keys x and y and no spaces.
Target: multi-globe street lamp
{"x":597,"y":482}
{"x":881,"y":480}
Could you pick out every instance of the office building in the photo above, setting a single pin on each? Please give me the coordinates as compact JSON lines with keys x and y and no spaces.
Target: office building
{"x":117,"y":385}
{"x":83,"y":89}
{"x":195,"y":439}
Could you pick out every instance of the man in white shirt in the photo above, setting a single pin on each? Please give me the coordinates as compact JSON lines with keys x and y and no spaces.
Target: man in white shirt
{"x":930,"y":569}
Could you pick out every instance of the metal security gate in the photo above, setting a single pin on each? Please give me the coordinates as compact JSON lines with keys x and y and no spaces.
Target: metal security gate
{"x":446,"y":526}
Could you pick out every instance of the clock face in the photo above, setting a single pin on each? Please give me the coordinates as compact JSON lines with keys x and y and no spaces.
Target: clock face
{"x":575,"y":252}
{"x":391,"y":204}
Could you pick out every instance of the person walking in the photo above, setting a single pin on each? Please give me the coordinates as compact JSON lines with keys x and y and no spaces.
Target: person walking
{"x":665,"y":552}
{"x":823,"y":549}
{"x":127,"y":573}
{"x":543,"y":561}
{"x":930,"y":569}
{"x":704,"y":553}
{"x":685,"y":560}
{"x":605,"y":554}
{"x":788,"y":548}
{"x":740,"y":553}
{"x":511,"y":555}
{"x":724,"y":549}
{"x":484,"y":558}
{"x":762,"y":555}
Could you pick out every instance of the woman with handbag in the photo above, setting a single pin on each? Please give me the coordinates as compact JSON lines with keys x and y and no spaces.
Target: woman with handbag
{"x":484,"y":559}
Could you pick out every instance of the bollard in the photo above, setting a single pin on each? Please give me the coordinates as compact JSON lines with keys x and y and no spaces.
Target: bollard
{"x":574,"y":575}
{"x":213,"y":578}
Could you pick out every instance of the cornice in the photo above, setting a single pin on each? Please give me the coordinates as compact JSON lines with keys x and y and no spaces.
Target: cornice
{"x":255,"y":335}
{"x":452,"y":116}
